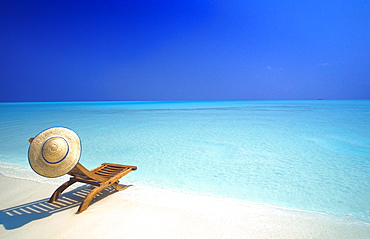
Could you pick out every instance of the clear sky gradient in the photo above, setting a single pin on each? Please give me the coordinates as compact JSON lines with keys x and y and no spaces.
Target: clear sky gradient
{"x":184,"y":50}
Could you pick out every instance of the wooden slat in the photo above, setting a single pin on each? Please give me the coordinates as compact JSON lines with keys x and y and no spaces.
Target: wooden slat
{"x":96,"y":183}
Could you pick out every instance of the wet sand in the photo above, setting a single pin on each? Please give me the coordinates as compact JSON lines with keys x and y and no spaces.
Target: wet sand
{"x":140,"y":212}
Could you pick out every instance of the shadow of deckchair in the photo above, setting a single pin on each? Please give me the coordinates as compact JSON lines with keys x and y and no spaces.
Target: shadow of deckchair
{"x":18,"y":216}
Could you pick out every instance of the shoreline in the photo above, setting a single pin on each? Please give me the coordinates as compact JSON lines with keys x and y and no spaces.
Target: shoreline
{"x":152,"y":192}
{"x":139,"y":212}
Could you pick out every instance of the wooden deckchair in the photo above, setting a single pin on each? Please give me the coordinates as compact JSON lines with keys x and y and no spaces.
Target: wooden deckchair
{"x":102,"y":177}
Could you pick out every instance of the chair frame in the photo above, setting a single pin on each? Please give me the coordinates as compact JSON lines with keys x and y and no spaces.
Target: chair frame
{"x":102,"y":177}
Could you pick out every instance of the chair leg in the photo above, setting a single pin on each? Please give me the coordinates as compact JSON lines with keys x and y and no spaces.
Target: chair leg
{"x":89,"y":197}
{"x":85,"y":203}
{"x":119,"y":187}
{"x":60,"y":190}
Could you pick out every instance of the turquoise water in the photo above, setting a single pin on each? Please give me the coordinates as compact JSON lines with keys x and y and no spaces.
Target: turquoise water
{"x":307,"y":155}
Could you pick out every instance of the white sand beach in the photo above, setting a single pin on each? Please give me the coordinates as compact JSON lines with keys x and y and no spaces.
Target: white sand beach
{"x":141,"y":212}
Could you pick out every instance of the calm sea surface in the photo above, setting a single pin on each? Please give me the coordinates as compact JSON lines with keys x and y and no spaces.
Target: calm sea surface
{"x":307,"y":155}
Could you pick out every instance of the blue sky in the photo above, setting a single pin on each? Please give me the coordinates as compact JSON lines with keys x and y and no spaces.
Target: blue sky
{"x":184,"y":50}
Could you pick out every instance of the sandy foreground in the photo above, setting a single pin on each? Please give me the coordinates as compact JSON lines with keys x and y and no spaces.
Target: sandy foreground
{"x":140,"y":212}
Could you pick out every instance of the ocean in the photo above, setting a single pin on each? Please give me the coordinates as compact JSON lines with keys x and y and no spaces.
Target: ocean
{"x":299,"y":155}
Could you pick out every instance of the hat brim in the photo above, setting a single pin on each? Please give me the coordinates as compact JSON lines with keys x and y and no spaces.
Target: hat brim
{"x":48,"y":169}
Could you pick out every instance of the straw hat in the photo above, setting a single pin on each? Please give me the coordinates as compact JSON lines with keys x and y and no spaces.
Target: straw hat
{"x":54,"y":152}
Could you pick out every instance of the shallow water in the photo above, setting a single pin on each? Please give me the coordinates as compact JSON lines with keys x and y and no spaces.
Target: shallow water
{"x":307,"y":155}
